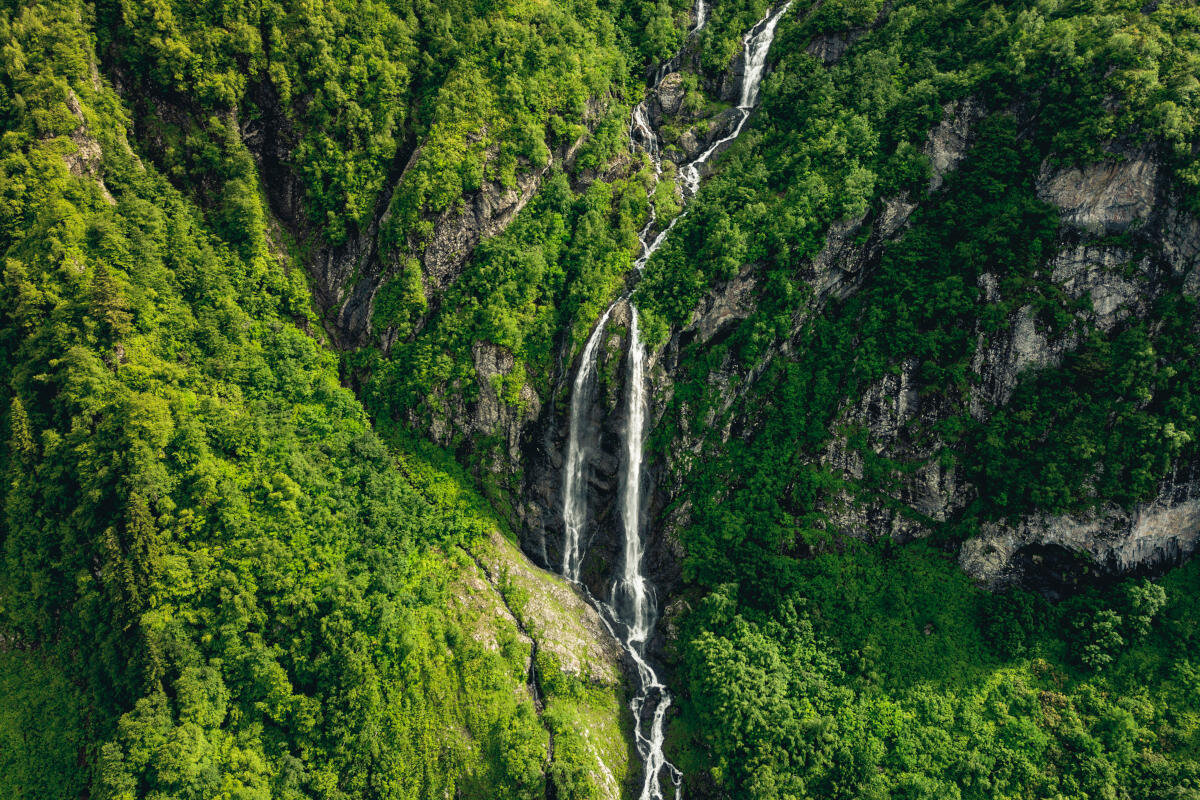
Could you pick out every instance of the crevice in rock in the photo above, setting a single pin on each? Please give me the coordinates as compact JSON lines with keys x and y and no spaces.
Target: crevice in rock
{"x":533,"y":680}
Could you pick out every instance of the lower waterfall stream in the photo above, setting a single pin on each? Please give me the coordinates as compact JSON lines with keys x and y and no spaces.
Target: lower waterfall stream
{"x":632,"y":611}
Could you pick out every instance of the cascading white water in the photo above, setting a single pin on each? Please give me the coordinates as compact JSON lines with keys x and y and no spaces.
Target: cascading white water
{"x":755,"y":46}
{"x":632,"y":609}
{"x":629,"y":592}
{"x":632,"y":598}
{"x":574,"y":490}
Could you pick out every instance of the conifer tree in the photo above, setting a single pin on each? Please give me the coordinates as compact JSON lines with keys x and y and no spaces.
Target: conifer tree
{"x":22,"y":434}
{"x":112,"y":310}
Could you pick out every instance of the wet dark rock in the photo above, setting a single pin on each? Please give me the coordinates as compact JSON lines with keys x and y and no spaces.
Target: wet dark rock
{"x":544,"y":448}
{"x":668,"y":96}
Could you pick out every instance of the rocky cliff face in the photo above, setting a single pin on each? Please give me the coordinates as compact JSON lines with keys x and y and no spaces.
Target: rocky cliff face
{"x":455,"y":233}
{"x":527,"y":434}
{"x":530,"y":432}
{"x":1124,"y":240}
{"x":1127,"y":196}
{"x":833,"y":274}
{"x":1112,"y":540}
{"x":687,"y":124}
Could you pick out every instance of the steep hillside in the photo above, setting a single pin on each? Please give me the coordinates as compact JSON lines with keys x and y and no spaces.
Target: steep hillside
{"x":943,"y":292}
{"x":857,"y":404}
{"x":216,"y":580}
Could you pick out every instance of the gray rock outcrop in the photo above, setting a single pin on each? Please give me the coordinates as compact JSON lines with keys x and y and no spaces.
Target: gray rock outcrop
{"x":1161,"y":532}
{"x":950,"y":139}
{"x":828,"y":48}
{"x":1111,"y":285}
{"x":1104,"y":198}
{"x":347,"y":277}
{"x":542,"y":463}
{"x":668,"y":96}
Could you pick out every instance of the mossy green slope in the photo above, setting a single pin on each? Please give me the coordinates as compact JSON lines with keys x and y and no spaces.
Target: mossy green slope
{"x":216,"y":580}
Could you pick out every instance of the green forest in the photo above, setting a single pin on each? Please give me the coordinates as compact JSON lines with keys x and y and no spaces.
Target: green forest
{"x":816,"y":667}
{"x":246,"y":553}
{"x":218,"y":580}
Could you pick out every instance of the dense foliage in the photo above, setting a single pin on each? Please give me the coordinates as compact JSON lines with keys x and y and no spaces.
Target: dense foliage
{"x":545,"y":278}
{"x":847,"y":671}
{"x":215,"y":580}
{"x":888,"y":675}
{"x":352,"y":94}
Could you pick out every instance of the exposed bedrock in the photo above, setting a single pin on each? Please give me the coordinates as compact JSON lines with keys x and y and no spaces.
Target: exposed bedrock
{"x":1119,"y":281}
{"x":546,"y":433}
{"x":1159,"y":533}
{"x":1124,"y":240}
{"x":526,"y":439}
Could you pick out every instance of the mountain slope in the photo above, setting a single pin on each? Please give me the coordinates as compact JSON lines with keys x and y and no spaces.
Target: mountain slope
{"x":216,"y":579}
{"x":921,"y":356}
{"x":942,"y":291}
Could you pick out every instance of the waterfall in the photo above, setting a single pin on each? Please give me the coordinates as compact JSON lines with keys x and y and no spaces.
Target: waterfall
{"x":574,"y":492}
{"x":632,"y":612}
{"x":755,"y":46}
{"x":632,"y":595}
{"x":629,"y":593}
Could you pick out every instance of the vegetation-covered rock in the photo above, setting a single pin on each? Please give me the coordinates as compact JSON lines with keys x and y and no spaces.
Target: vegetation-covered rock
{"x":293,"y":298}
{"x":215,"y":578}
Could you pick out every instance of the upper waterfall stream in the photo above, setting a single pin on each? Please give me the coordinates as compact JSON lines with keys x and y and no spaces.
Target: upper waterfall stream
{"x":632,"y":608}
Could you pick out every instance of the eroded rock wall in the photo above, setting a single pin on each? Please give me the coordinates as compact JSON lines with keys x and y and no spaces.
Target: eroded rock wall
{"x":1115,"y":280}
{"x":1124,"y":240}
